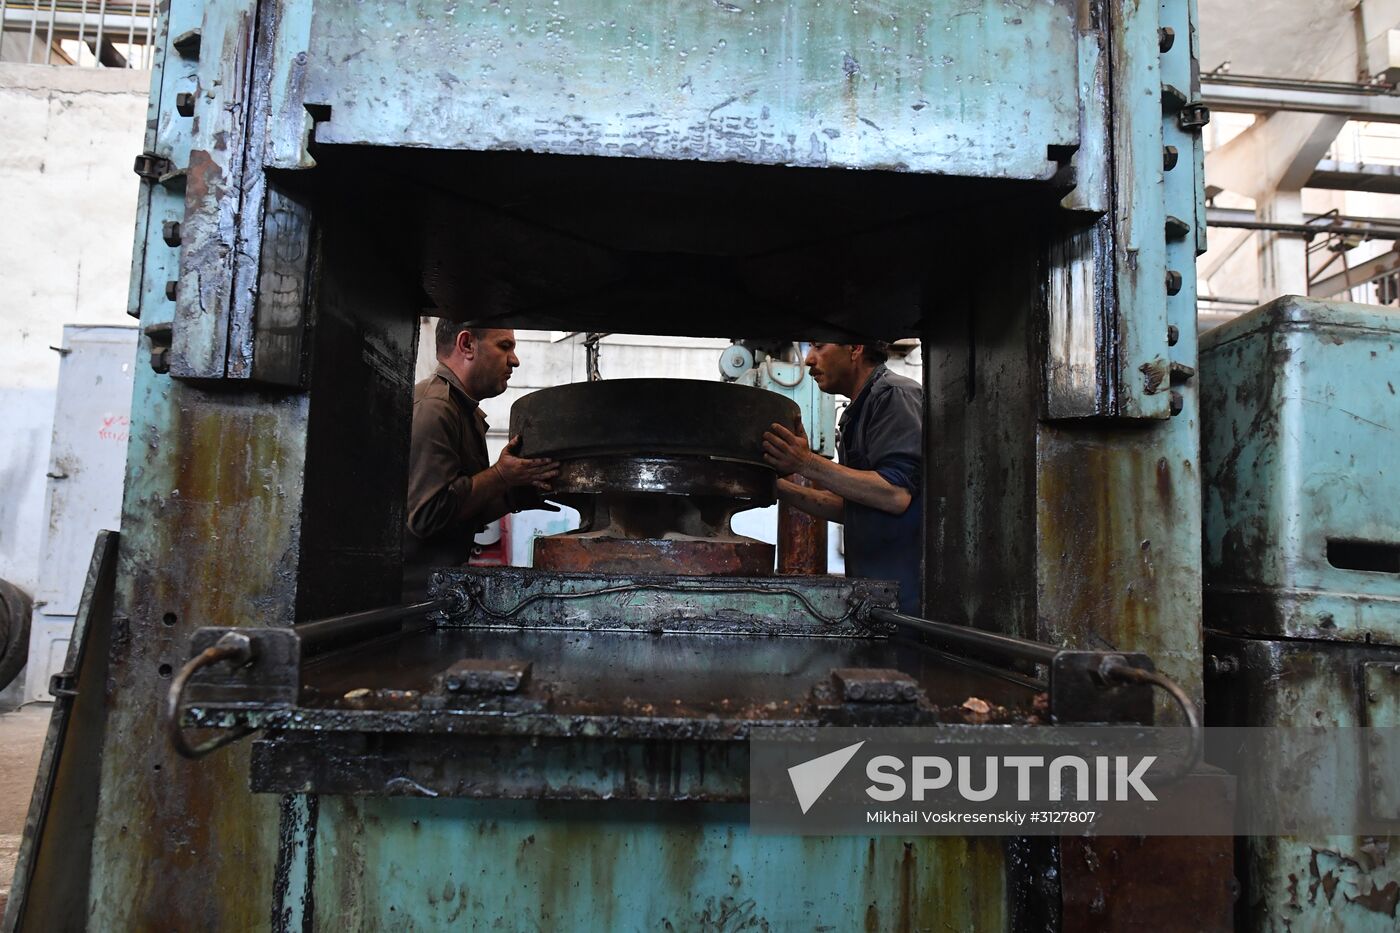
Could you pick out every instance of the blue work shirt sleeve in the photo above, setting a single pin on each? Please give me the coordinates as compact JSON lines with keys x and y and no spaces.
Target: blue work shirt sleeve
{"x":894,"y":438}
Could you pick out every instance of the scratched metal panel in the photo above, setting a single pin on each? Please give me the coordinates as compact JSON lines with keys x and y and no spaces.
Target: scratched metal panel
{"x":979,"y":88}
{"x":1314,"y":883}
{"x":1140,"y":260}
{"x":395,"y":863}
{"x":1300,"y":418}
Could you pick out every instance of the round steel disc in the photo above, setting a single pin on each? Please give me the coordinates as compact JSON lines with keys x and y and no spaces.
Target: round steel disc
{"x":649,"y":418}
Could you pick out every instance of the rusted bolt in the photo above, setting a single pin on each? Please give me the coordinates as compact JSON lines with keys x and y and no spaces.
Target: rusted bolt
{"x":1166,"y":38}
{"x":184,"y":104}
{"x":172,"y":289}
{"x":1371,"y":697}
{"x":160,"y":360}
{"x":1173,"y":335}
{"x":1174,"y":282}
{"x":856,"y":691}
{"x":1176,"y":404}
{"x":170,"y":232}
{"x":1170,"y":156}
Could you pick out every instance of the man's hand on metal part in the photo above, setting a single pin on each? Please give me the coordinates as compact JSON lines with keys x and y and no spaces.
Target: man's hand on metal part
{"x":524,"y":471}
{"x":785,"y":450}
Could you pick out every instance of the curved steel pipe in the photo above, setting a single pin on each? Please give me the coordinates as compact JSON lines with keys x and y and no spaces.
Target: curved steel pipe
{"x":231,"y":647}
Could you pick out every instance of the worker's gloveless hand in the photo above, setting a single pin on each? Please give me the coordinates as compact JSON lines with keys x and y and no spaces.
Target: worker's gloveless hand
{"x":785,"y":450}
{"x":522,"y":471}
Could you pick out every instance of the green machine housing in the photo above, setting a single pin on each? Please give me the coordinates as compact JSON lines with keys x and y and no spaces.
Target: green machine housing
{"x":1018,"y":185}
{"x":1300,"y":447}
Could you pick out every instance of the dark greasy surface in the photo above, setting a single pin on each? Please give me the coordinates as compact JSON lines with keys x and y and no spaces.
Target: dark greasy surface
{"x":602,"y":673}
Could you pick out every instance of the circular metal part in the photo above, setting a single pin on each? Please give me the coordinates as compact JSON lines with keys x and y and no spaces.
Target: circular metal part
{"x":734,"y":556}
{"x":649,"y":418}
{"x":680,"y":476}
{"x":735,"y":361}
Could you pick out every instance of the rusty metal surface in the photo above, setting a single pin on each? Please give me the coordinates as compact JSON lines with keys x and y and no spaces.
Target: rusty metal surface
{"x":801,"y":539}
{"x":578,"y":865}
{"x":1315,"y":883}
{"x":1173,"y":884}
{"x":736,"y":556}
{"x":1079,"y":533}
{"x":217,"y":527}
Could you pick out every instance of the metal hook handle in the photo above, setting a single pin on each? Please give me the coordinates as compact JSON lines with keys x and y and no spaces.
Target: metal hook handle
{"x":231,"y":647}
{"x":1115,"y":668}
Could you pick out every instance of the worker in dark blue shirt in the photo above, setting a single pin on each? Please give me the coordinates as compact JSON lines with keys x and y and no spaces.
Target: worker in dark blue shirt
{"x":875,"y":489}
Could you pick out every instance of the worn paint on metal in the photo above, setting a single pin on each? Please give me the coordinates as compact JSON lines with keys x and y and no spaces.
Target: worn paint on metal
{"x":1300,"y":452}
{"x":986,"y":90}
{"x":927,"y":89}
{"x":1315,"y":883}
{"x":395,"y":863}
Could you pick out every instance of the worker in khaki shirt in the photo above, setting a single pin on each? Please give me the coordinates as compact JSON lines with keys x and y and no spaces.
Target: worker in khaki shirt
{"x":454,"y":490}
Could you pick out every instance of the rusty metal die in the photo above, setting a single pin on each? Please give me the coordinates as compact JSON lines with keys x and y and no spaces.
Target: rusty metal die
{"x":734,"y":556}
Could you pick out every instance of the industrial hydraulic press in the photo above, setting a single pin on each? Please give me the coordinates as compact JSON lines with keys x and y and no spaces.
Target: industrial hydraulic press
{"x":1018,"y":185}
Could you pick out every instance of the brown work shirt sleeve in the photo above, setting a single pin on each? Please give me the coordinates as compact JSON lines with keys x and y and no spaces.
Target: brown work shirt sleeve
{"x":439,"y":483}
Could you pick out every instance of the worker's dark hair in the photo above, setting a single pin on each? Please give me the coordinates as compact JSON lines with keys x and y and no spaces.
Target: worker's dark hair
{"x":447,"y":331}
{"x":876,"y":351}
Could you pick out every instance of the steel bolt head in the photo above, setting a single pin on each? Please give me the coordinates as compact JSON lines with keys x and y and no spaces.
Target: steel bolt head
{"x":1166,"y":38}
{"x":172,"y":289}
{"x":1177,"y":403}
{"x":1170,"y":157}
{"x":1173,"y":335}
{"x":184,"y":104}
{"x":1174,"y":282}
{"x":855,"y":691}
{"x":170,"y":232}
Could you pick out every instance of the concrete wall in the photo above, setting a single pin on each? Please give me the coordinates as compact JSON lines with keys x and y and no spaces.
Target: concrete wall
{"x":67,"y":214}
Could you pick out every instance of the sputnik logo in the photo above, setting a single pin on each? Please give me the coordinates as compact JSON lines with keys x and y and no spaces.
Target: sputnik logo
{"x":811,"y":778}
